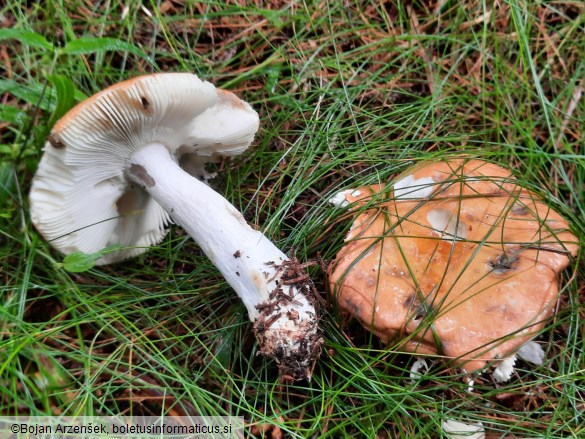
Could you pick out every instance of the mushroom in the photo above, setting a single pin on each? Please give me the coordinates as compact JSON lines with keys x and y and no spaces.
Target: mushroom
{"x":460,"y":430}
{"x":456,"y":259}
{"x":120,"y":165}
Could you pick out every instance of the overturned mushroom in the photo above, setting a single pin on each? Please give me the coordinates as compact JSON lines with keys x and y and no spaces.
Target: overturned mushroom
{"x":456,"y":259}
{"x":119,"y":165}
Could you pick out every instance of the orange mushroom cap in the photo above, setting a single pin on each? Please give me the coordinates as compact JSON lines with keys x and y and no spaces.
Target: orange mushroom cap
{"x":456,"y":260}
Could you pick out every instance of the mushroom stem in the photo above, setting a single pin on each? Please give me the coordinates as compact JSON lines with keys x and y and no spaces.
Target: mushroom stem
{"x":276,"y":293}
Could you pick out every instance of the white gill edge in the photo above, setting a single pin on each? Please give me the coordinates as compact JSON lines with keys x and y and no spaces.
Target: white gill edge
{"x":419,"y":365}
{"x":505,"y":369}
{"x":531,"y":352}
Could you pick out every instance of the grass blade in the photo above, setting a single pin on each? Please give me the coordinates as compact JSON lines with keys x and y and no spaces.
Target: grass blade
{"x":65,"y":96}
{"x":29,"y":38}
{"x":88,"y":45}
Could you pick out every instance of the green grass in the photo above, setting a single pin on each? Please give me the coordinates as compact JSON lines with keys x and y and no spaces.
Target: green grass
{"x":349,"y":94}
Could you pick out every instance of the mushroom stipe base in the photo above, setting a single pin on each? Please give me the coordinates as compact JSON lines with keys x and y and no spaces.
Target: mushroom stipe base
{"x":297,"y":359}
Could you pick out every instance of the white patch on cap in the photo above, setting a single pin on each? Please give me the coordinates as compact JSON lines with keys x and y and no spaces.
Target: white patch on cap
{"x":410,"y":188}
{"x":339,"y":200}
{"x":444,"y":222}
